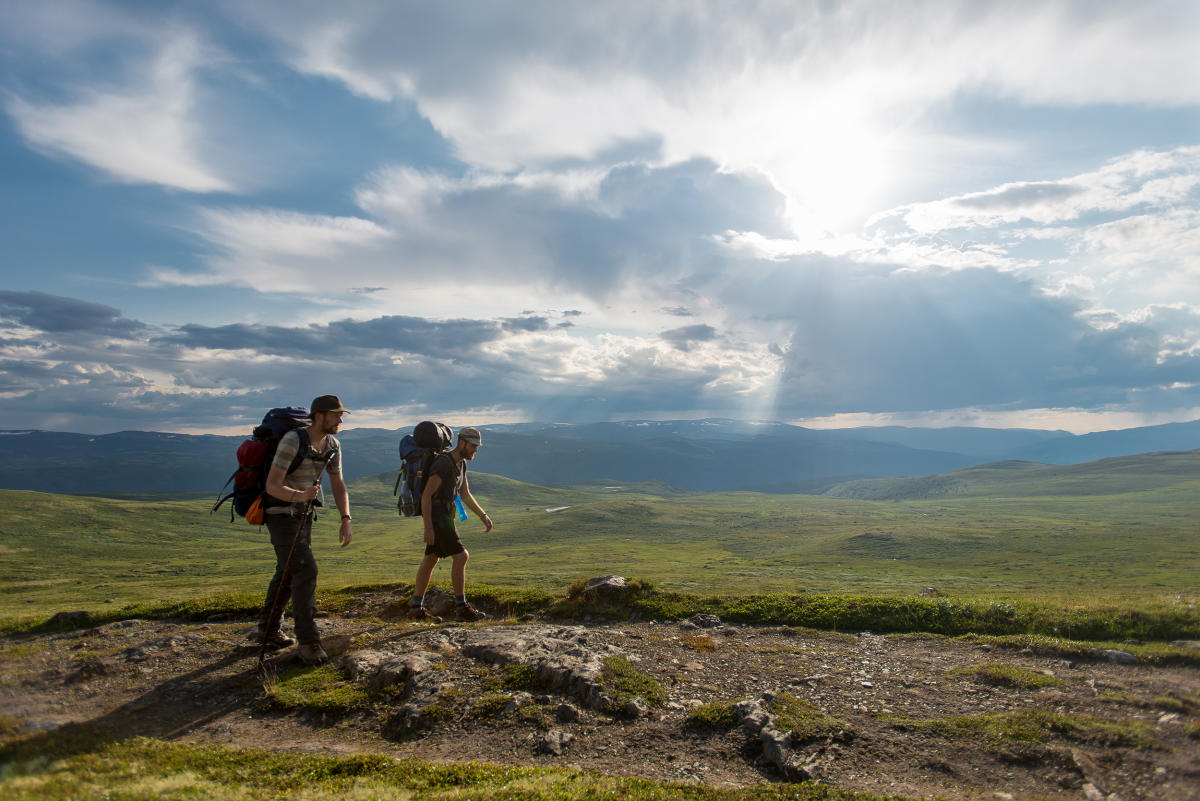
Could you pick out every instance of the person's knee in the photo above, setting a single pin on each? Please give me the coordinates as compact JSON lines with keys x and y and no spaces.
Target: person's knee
{"x":461,"y":557}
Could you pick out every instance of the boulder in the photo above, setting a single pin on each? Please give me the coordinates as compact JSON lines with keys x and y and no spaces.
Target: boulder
{"x":635,"y":708}
{"x":562,"y":655}
{"x":605,"y":586}
{"x":554,"y":742}
{"x":401,"y":669}
{"x":363,"y":664}
{"x":705,"y":621}
{"x":1120,"y":657}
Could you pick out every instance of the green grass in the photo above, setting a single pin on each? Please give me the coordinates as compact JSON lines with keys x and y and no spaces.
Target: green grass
{"x":713,"y":715}
{"x":149,"y":769}
{"x":621,"y":682}
{"x":998,"y":674}
{"x":515,"y":676}
{"x":318,"y":689}
{"x":1101,"y":552}
{"x":1151,"y":653}
{"x":1032,"y":726}
{"x":804,"y":721}
{"x":490,"y":704}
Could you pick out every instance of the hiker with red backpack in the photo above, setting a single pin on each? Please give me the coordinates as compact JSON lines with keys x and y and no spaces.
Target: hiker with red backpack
{"x":293,"y":487}
{"x":446,"y":481}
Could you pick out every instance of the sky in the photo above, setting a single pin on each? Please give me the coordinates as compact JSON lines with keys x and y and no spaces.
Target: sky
{"x":826,"y":213}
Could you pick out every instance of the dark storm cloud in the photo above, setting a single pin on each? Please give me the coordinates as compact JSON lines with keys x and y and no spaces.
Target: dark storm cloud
{"x":54,"y":314}
{"x":683,"y":338}
{"x":340,"y":338}
{"x":874,"y":341}
{"x":525,"y":324}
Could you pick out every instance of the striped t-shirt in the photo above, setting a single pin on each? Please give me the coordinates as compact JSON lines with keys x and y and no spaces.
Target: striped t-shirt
{"x":310,"y":468}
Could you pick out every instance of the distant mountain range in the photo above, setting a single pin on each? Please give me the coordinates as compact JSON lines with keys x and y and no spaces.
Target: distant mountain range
{"x":705,"y":455}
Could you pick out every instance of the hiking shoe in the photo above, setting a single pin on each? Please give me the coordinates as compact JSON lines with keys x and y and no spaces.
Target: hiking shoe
{"x":276,"y":639}
{"x":311,"y":653}
{"x":469,"y":613}
{"x":422,"y":614}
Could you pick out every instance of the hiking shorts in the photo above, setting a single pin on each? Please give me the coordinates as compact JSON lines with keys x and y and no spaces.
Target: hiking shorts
{"x":446,"y":541}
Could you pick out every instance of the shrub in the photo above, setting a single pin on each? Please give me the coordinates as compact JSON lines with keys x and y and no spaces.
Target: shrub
{"x":714,"y":715}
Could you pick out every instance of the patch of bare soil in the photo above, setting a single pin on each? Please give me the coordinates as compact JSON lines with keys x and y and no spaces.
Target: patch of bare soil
{"x":196,"y":683}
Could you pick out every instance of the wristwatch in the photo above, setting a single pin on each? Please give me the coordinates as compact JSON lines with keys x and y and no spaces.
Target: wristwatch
{"x":346,"y":517}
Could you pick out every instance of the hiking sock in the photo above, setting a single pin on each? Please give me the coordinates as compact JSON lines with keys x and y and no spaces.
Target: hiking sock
{"x":461,"y":600}
{"x":418,"y":601}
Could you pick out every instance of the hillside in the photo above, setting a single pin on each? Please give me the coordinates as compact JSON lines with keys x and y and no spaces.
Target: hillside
{"x":1012,"y":479}
{"x":1126,"y":533}
{"x":692,"y":455}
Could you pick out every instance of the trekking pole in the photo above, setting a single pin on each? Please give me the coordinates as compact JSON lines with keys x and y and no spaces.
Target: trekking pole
{"x":287,"y":569}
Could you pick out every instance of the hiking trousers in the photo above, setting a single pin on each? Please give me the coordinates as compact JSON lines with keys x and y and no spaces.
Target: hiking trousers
{"x":299,"y":581}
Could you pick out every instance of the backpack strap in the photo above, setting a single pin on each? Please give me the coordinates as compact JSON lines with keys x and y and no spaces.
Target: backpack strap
{"x":305,"y":451}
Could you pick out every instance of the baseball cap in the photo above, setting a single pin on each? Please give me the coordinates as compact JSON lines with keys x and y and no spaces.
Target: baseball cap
{"x":470,"y":435}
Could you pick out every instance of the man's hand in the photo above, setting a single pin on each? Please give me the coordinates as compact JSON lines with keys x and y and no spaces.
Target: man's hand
{"x":487,"y":523}
{"x":310,"y":494}
{"x":429,"y":538}
{"x":345,"y":534}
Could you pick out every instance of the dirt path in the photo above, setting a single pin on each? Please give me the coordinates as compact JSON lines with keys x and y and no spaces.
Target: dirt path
{"x":1128,"y":730}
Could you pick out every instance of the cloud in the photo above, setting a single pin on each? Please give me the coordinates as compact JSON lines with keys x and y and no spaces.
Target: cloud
{"x":142,"y":132}
{"x":53,"y":314}
{"x":485,"y":240}
{"x":864,"y":339}
{"x":830,"y":101}
{"x":687,"y":336}
{"x":1139,"y":179}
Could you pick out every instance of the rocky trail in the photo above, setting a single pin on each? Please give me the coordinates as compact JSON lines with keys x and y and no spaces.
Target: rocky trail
{"x":690,"y":701}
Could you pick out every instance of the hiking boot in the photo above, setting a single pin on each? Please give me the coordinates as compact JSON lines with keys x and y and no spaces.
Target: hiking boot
{"x":311,"y":653}
{"x":423,"y":615}
{"x":469,"y":614}
{"x":276,"y":639}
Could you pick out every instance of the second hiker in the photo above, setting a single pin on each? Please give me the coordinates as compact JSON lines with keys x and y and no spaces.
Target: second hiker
{"x":447,"y":478}
{"x":291,"y":489}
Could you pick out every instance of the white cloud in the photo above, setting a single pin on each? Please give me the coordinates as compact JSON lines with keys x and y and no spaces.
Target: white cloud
{"x":1125,"y":184}
{"x":143,"y":132}
{"x":828,"y":100}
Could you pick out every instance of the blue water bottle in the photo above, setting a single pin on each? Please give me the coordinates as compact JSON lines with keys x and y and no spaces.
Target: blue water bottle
{"x":462,"y":513}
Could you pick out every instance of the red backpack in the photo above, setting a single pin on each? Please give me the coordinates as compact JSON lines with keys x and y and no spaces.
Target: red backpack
{"x":254,"y":458}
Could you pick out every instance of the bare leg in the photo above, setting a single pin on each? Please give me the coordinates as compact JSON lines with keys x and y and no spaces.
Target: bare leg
{"x":423,"y":573}
{"x":458,"y":572}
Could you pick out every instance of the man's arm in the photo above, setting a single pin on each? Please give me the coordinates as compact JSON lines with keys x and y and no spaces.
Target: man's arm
{"x":277,"y":489}
{"x":341,"y":496}
{"x":474,"y":506}
{"x":432,"y":483}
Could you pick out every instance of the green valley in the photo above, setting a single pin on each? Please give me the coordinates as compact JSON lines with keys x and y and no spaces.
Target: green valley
{"x":1118,"y":531}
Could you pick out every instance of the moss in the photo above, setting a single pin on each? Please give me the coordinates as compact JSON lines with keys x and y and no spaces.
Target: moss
{"x":699,"y":642}
{"x":321,"y":689}
{"x":1171,"y":704}
{"x":1033,"y":726}
{"x":490,"y":704}
{"x":145,"y":768}
{"x":540,"y":715}
{"x":621,"y":683}
{"x":999,"y":674}
{"x":714,"y":715}
{"x":804,"y":721}
{"x":1192,"y":730}
{"x":1063,"y":648}
{"x":515,"y":676}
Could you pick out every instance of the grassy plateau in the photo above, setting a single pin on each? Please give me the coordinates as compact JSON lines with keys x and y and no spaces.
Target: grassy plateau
{"x":1088,"y":543}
